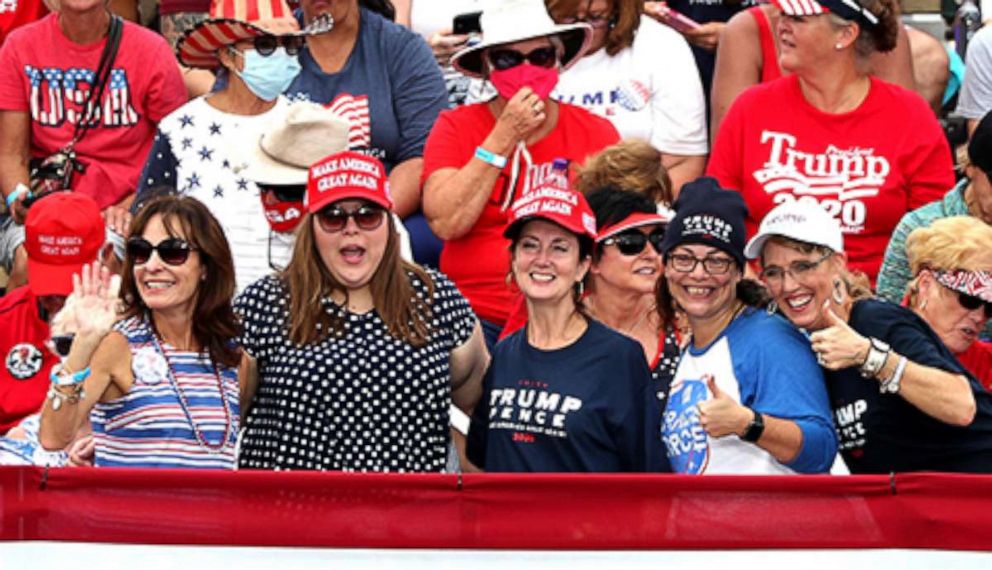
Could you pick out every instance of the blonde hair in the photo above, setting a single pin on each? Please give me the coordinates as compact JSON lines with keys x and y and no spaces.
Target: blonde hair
{"x":958,"y":242}
{"x":630,"y":165}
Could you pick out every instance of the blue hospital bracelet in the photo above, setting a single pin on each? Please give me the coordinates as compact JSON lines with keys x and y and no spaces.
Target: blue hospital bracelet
{"x":490,"y":158}
{"x":22,"y":189}
{"x":62,"y":377}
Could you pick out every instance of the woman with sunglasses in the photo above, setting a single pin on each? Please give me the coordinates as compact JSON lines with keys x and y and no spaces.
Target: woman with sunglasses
{"x":620,"y":286}
{"x":164,"y":384}
{"x":199,"y":148}
{"x":951,"y":288}
{"x":748,"y":396}
{"x":621,"y":77}
{"x":359,"y":353}
{"x":383,"y":77}
{"x":565,"y":393}
{"x":480,"y":158}
{"x":901,"y":400}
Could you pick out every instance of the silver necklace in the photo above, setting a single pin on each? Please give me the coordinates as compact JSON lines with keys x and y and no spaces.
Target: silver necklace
{"x":184,"y":403}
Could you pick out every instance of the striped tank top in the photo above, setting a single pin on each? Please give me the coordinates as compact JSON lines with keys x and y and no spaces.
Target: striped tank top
{"x":168,"y":420}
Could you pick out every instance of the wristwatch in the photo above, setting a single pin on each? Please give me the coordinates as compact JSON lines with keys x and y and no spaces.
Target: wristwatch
{"x":752,"y":433}
{"x":878,"y":352}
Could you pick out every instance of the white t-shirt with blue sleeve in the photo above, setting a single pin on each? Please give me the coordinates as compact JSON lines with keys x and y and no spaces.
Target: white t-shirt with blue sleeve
{"x":763,"y":362}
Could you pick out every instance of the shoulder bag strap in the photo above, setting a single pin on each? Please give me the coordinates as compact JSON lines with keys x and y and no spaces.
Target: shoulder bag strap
{"x":95,"y":98}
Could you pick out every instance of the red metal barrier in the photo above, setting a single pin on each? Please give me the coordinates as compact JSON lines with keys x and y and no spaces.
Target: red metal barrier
{"x":496,"y":511}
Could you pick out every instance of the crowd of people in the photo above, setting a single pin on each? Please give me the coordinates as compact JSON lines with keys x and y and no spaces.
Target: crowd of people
{"x":494,"y":235}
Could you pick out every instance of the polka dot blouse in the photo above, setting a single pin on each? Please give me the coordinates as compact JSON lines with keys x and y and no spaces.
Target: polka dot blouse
{"x":362,"y":401}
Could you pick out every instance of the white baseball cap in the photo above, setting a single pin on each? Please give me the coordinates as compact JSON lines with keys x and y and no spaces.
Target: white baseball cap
{"x":800,"y":220}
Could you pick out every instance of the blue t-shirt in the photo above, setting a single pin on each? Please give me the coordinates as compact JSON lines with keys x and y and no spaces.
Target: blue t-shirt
{"x":880,"y":433}
{"x":390,"y":89}
{"x":587,"y":407}
{"x":763,"y":362}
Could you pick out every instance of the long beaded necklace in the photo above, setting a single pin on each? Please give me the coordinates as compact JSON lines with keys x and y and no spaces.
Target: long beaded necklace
{"x":184,"y":403}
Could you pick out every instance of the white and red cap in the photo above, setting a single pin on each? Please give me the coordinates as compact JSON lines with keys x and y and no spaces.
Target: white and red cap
{"x":847,"y":9}
{"x":62,"y":232}
{"x":974,"y":283}
{"x":635,"y":220}
{"x":799,"y":220}
{"x":347,"y":175}
{"x":555,"y":203}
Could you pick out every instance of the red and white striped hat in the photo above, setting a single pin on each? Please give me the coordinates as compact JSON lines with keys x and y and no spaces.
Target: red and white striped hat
{"x":232,"y":21}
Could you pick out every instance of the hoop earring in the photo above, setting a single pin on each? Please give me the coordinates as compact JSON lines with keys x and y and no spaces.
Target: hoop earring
{"x":836,"y":294}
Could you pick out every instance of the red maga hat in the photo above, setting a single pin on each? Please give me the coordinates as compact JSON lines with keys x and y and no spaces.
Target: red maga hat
{"x":347,"y":175}
{"x":62,"y":232}
{"x":555,"y":202}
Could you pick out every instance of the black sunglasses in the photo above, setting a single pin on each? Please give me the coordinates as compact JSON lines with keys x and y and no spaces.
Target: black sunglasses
{"x":172,"y":251}
{"x":284,"y":193}
{"x":333,"y":219}
{"x":503,"y":59}
{"x":60,"y":344}
{"x":266,"y":45}
{"x":970,"y":302}
{"x":633,"y":243}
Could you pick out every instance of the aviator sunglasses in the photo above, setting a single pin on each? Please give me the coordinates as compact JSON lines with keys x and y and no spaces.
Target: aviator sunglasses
{"x":333,"y":219}
{"x":503,"y":59}
{"x":633,"y":243}
{"x":172,"y":251}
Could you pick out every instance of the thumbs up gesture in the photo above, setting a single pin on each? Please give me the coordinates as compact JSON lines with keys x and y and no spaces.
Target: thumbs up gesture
{"x":721,"y":415}
{"x":838,"y":346}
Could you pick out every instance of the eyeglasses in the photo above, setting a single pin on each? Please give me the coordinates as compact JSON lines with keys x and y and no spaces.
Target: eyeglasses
{"x":266,"y":45}
{"x":172,"y":251}
{"x":633,"y":243}
{"x":503,"y":59}
{"x":685,"y":263}
{"x":333,"y":219}
{"x":596,"y":22}
{"x":60,"y":344}
{"x":775,"y":275}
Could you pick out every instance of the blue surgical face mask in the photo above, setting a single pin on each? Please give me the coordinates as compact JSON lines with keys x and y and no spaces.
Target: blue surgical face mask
{"x":268,"y":75}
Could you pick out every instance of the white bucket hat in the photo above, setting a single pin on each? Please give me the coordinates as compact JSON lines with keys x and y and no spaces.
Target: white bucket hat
{"x":294,"y":140}
{"x":799,"y":220}
{"x":508,"y":21}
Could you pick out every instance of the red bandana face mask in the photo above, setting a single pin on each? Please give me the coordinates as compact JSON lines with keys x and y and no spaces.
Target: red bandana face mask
{"x":282,"y":216}
{"x":508,"y":81}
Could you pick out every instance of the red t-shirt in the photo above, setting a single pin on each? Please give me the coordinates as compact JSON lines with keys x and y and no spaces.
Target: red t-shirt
{"x":27,"y":363}
{"x":48,"y":76}
{"x":16,"y":13}
{"x":478,"y":261}
{"x":978,"y":360}
{"x":867,"y":167}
